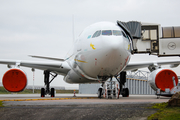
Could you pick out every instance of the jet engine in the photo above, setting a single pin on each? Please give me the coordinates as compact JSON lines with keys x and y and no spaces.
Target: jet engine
{"x":162,"y":79}
{"x":14,"y":80}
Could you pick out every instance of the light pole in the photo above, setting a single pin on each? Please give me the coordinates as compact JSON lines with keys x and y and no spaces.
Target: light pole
{"x":33,"y":70}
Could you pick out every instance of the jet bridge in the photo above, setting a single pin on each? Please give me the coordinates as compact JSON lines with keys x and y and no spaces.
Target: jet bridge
{"x":152,"y":38}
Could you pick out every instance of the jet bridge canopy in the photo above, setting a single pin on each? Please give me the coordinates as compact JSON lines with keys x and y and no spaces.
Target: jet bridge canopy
{"x":152,"y":38}
{"x":133,"y":27}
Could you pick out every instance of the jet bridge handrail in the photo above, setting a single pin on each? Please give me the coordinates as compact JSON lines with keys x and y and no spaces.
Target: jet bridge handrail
{"x":139,"y":74}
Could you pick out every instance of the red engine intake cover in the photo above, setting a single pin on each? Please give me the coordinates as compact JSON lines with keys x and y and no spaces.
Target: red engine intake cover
{"x":164,"y":79}
{"x":14,"y":80}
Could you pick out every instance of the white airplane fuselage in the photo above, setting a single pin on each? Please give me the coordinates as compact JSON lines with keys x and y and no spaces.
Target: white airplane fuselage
{"x":101,"y":51}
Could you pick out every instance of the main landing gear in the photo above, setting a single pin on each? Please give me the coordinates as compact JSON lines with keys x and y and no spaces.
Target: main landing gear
{"x":122,"y":80}
{"x":46,"y":90}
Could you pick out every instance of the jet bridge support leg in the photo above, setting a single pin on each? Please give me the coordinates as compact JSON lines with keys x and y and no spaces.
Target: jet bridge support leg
{"x":122,"y":80}
{"x":46,"y":90}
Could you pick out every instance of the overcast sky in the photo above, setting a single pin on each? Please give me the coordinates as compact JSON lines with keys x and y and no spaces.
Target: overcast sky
{"x":44,"y":27}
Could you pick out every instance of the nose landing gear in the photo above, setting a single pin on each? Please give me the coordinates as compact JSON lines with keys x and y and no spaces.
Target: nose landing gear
{"x":100,"y":90}
{"x":110,"y":88}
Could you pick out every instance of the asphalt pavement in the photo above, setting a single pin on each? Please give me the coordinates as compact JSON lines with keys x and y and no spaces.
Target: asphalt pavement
{"x":66,"y":107}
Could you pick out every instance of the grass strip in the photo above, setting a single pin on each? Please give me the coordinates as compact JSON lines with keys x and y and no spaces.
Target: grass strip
{"x":165,"y":112}
{"x":1,"y":104}
{"x":30,"y":91}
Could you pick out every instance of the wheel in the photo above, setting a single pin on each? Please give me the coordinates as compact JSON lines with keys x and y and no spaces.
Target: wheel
{"x":125,"y":92}
{"x":52,"y":92}
{"x":42,"y":92}
{"x":99,"y":92}
{"x":114,"y":93}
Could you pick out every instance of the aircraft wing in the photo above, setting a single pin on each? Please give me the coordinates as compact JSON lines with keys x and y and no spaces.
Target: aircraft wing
{"x":57,"y":67}
{"x":141,"y":64}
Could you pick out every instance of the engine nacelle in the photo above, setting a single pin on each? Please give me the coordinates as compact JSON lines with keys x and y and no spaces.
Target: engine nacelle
{"x":162,"y":79}
{"x":14,"y":80}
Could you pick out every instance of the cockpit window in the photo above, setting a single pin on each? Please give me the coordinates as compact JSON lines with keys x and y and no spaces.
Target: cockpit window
{"x":106,"y":32}
{"x":117,"y":32}
{"x":96,"y":34}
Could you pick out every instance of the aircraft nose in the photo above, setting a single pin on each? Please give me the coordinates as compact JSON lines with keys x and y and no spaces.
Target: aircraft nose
{"x":115,"y":45}
{"x":113,"y":56}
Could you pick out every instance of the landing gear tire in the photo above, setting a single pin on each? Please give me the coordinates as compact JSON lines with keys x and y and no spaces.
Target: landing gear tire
{"x":52,"y":92}
{"x":125,"y":92}
{"x":42,"y":92}
{"x":99,"y":92}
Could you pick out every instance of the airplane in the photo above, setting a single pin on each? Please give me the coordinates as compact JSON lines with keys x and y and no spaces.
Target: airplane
{"x":102,"y":51}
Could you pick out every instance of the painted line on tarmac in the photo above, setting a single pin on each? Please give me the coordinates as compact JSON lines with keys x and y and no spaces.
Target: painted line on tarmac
{"x":49,"y":99}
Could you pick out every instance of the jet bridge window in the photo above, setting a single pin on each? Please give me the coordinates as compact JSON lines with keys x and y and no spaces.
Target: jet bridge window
{"x":149,"y":34}
{"x":106,"y":32}
{"x":96,"y":34}
{"x":167,"y":32}
{"x":177,"y":32}
{"x":171,"y":32}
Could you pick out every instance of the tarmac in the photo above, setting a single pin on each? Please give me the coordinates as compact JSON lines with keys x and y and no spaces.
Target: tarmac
{"x":83,"y":106}
{"x":79,"y":99}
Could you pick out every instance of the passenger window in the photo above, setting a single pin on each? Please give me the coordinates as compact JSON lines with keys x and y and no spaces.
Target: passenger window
{"x":96,"y":34}
{"x":117,"y":32}
{"x":106,"y":32}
